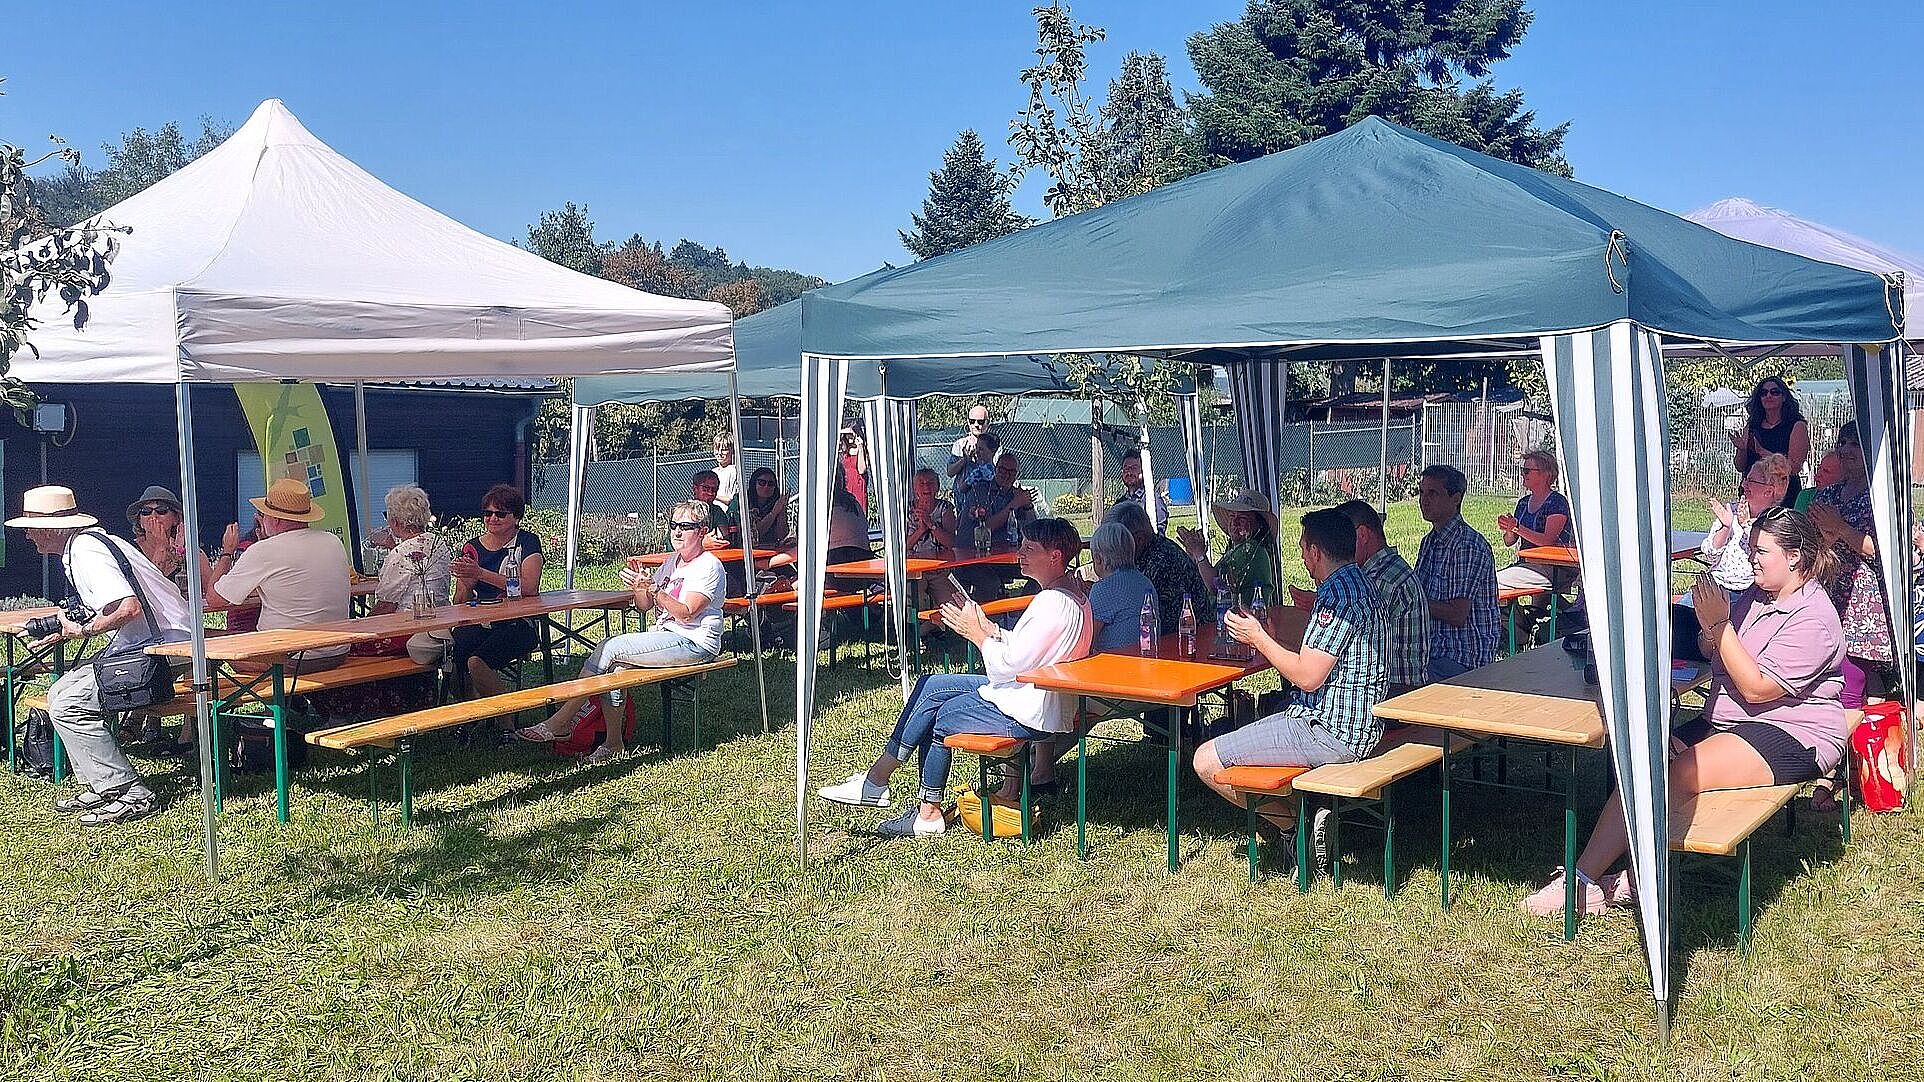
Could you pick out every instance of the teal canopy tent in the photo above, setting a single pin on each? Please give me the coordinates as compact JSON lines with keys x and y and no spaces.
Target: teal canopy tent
{"x":1381,"y":242}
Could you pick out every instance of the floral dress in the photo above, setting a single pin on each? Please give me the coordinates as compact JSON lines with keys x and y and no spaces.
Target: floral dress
{"x":1859,"y":589}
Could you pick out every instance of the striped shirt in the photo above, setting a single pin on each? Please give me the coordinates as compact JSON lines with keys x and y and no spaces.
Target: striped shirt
{"x":1344,"y":624}
{"x":1406,"y":617}
{"x":1455,"y":562}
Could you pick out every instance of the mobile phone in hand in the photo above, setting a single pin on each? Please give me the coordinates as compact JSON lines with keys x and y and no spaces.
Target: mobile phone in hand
{"x":956,"y":585}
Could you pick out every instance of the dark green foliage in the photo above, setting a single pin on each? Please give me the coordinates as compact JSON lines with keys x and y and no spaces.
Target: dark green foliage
{"x":1290,"y":71}
{"x":968,"y":202}
{"x":567,"y":237}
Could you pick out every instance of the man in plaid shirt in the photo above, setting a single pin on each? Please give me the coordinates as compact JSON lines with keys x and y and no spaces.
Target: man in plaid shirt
{"x":1458,"y":571}
{"x":1399,"y":599}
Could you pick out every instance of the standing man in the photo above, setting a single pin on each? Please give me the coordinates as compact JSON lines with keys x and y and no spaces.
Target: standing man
{"x":1399,"y":600}
{"x":964,"y":452}
{"x":1458,"y":571}
{"x":132,"y":599}
{"x":1132,"y":489}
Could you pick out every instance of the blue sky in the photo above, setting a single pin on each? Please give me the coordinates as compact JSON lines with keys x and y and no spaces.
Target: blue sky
{"x":801,"y":135}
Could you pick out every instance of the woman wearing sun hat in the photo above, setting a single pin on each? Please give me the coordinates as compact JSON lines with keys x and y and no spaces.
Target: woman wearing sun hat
{"x":1250,"y":561}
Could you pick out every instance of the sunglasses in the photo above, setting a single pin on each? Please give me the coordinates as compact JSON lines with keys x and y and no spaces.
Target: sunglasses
{"x":684,"y":527}
{"x":497,"y":514}
{"x":145,"y":511}
{"x":977,"y":421}
{"x":1529,"y":469}
{"x":1772,"y":392}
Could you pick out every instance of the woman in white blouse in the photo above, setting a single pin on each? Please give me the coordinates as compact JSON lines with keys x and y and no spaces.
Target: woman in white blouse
{"x":418,"y":561}
{"x":1056,"y":627}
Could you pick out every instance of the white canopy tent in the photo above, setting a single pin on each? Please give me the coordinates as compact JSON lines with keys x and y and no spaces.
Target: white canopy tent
{"x":273,"y":258}
{"x":1786,"y":232}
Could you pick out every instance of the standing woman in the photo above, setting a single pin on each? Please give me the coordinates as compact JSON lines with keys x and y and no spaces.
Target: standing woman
{"x":480,"y":574}
{"x":1842,"y":514}
{"x":1776,"y":426}
{"x":767,"y":508}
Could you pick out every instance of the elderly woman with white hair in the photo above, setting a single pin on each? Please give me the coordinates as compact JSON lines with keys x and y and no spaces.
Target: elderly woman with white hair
{"x":418,"y":563}
{"x":1120,"y":590}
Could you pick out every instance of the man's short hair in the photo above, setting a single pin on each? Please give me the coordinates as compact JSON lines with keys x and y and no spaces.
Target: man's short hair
{"x":1453,"y":480}
{"x":704,"y":475}
{"x":1056,"y":535}
{"x":1132,"y":515}
{"x":1011,"y":456}
{"x":1360,"y":513}
{"x":1133,"y":454}
{"x":1331,"y":531}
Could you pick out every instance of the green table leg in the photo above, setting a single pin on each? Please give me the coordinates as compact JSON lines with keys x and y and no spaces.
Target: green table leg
{"x":1743,"y":899}
{"x":1302,"y":846}
{"x":1249,"y":818}
{"x":1175,"y":742}
{"x":1082,"y":797}
{"x":13,"y":752}
{"x":407,"y":784}
{"x":1570,"y":849}
{"x":1443,"y":863}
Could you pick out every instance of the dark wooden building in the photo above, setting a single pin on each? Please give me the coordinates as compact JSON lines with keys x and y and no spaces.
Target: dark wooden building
{"x":453,"y":438}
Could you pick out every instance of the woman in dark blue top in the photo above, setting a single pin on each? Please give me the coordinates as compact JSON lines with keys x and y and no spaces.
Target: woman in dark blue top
{"x":1542,"y":518}
{"x":481,"y":575}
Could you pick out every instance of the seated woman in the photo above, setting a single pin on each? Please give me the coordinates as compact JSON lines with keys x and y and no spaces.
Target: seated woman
{"x":767,"y":508}
{"x":686,"y":593}
{"x":1773,"y":718}
{"x":1056,"y":627}
{"x":416,"y":563}
{"x":931,"y":529}
{"x":480,"y":573}
{"x":1542,"y":517}
{"x":1339,"y":674}
{"x":1726,"y":550}
{"x":1250,"y":560}
{"x":1116,"y":598}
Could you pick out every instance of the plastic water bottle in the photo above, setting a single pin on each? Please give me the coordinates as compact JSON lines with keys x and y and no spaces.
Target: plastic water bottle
{"x":984,"y":537}
{"x":1186,"y":627}
{"x":512,"y":564}
{"x":1148,"y":634}
{"x":1222,"y":612}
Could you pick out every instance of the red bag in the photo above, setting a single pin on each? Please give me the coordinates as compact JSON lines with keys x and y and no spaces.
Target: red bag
{"x":1882,"y":770}
{"x":588,"y":731}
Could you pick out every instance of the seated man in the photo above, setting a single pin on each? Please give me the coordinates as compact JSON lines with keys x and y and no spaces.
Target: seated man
{"x":300,"y":575}
{"x":1168,"y":568}
{"x":1056,"y":627}
{"x":1338,"y":674}
{"x":1399,"y":600}
{"x":724,"y":525}
{"x":1458,"y":570}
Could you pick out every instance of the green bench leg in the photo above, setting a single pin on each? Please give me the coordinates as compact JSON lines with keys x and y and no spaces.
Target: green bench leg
{"x":278,"y":710}
{"x":1022,"y":763}
{"x":1302,"y":846}
{"x":1512,"y":621}
{"x":13,"y":752}
{"x":407,"y":784}
{"x":1743,"y":899}
{"x":220,"y":760}
{"x":1336,"y":843}
{"x":1389,"y":841}
{"x":1570,"y":849}
{"x":373,"y":792}
{"x":1175,"y":741}
{"x":1082,"y":797}
{"x":1249,"y":817}
{"x":1443,"y":862}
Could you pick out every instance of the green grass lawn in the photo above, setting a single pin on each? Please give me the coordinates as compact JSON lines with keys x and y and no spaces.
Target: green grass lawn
{"x":648,"y":920}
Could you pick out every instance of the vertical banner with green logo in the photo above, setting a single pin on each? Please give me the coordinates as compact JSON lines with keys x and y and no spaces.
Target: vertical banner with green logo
{"x":294,"y":439}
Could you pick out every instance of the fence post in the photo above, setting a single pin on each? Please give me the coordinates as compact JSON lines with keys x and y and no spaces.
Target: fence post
{"x":654,"y":487}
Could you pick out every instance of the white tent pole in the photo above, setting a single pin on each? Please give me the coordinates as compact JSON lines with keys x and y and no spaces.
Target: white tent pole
{"x":1193,"y":451}
{"x":1148,"y":466}
{"x":1383,"y":449}
{"x":197,"y":628}
{"x":360,"y":529}
{"x":748,"y":541}
{"x":578,"y":417}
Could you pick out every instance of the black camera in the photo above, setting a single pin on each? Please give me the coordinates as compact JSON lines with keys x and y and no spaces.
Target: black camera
{"x":41,"y":627}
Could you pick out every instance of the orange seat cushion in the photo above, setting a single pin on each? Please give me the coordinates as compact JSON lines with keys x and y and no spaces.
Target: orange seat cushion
{"x":982,"y":744}
{"x":1263,"y":779}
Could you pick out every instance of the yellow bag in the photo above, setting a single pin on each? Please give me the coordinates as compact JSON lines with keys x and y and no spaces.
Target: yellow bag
{"x":1008,"y":818}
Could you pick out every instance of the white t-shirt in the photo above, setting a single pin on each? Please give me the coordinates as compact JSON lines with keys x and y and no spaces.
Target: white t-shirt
{"x":1055,"y":627}
{"x":703,"y":575}
{"x":95,"y":576}
{"x":730,"y":477}
{"x":302,"y":579}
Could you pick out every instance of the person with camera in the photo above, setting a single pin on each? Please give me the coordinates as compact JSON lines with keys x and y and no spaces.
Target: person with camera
{"x":116,"y":589}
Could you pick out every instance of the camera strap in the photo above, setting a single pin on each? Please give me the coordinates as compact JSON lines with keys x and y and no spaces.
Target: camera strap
{"x":133,"y":580}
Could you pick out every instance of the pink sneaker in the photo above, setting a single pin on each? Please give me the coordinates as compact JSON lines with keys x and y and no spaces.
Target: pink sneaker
{"x":1619,"y":890}
{"x":1548,"y":902}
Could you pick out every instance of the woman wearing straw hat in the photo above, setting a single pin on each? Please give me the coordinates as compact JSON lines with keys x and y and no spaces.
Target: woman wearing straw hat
{"x":1250,"y":561}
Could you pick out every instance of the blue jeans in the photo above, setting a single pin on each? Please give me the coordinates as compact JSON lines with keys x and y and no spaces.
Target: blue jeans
{"x":645,"y":650}
{"x":942,"y":705}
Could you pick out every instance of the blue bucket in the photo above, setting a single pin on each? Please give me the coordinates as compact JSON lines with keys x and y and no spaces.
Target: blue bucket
{"x":1180,"y":491}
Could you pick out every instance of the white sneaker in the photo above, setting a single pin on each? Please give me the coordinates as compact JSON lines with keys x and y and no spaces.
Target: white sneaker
{"x":857,"y":792}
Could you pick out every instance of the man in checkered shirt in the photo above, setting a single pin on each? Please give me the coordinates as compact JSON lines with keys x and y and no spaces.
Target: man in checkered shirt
{"x":1400,"y":603}
{"x":1458,"y":571}
{"x":1338,"y":674}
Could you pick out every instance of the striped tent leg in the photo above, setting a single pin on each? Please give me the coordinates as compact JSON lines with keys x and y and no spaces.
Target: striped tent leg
{"x":824,"y":383}
{"x":1259,"y":390}
{"x":1606,"y":388}
{"x":891,"y":440}
{"x":1876,"y":375}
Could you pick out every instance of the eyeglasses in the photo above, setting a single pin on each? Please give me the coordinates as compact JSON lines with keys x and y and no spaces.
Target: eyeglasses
{"x":684,"y":527}
{"x":497,"y":514}
{"x":145,"y":511}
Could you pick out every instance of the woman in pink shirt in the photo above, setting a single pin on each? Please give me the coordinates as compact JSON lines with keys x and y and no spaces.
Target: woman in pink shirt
{"x":1776,"y":653}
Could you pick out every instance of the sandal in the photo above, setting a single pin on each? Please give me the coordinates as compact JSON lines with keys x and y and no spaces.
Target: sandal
{"x":84,"y":800}
{"x":535,"y":734}
{"x":116,"y":810}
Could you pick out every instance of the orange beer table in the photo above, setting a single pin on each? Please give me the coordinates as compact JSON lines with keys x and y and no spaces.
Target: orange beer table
{"x":1683,"y":545}
{"x":1167,"y":682}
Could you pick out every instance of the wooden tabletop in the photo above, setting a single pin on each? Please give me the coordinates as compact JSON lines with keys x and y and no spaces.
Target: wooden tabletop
{"x":931,"y":563}
{"x":1537,"y":695}
{"x":1167,"y":678}
{"x":267,"y":645}
{"x":1683,"y":544}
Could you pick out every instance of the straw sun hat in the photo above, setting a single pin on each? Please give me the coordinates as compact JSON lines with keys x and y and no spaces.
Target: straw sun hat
{"x":288,"y":498}
{"x":1253,"y":500}
{"x":51,"y":507}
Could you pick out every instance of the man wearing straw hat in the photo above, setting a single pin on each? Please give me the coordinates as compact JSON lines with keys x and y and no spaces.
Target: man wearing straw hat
{"x":301,"y":575}
{"x":132,"y":599}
